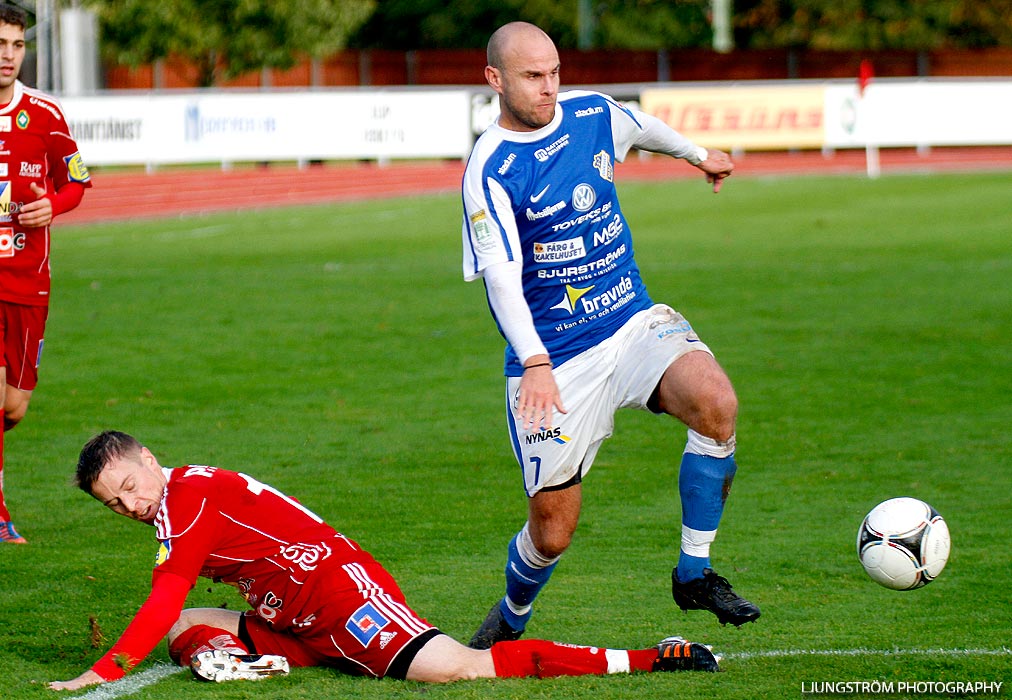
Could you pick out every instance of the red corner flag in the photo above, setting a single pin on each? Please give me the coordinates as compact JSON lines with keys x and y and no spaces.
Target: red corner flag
{"x":864,"y":76}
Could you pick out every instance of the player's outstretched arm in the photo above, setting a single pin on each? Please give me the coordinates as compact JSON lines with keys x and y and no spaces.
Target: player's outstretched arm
{"x":151,"y":623}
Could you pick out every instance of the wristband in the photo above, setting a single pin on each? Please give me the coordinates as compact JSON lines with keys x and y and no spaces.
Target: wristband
{"x":539,"y":364}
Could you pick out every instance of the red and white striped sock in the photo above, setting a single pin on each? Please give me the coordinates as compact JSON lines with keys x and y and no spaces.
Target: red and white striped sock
{"x":203,"y":638}
{"x":535,"y":657}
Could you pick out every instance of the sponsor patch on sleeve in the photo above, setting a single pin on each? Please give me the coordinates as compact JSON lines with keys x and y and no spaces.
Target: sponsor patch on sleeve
{"x":365,"y":623}
{"x":164,"y":550}
{"x":76,"y":169}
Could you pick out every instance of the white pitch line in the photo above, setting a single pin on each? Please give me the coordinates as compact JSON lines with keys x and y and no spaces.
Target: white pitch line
{"x":132,"y":683}
{"x":783,"y":653}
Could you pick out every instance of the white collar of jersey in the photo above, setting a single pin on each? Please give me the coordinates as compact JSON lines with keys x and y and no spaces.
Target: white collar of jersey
{"x":19,"y":89}
{"x":531,"y":136}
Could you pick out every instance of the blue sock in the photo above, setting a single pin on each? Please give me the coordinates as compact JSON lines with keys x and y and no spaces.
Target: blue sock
{"x":523,"y":583}
{"x":703,"y":484}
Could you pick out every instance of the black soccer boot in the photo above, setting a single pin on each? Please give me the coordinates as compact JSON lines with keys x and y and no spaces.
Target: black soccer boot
{"x":676,"y":654}
{"x":713,"y":593}
{"x":494,"y":629}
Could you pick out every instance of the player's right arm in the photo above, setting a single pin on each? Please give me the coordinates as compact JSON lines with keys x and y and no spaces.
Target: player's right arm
{"x":539,"y":393}
{"x":492,"y":251}
{"x":149,"y":626}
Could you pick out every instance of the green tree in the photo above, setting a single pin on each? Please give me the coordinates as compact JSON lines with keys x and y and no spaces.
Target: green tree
{"x":616,"y":24}
{"x":873,"y":24}
{"x":226,"y":38}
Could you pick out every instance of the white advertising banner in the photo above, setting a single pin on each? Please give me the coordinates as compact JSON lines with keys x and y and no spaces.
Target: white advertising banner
{"x":154,"y":129}
{"x":210,"y":127}
{"x":956,"y":113}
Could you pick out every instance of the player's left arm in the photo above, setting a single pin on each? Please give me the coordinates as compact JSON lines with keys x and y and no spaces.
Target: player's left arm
{"x":648,"y":133}
{"x":69,"y":178}
{"x":48,"y":206}
{"x":151,"y":623}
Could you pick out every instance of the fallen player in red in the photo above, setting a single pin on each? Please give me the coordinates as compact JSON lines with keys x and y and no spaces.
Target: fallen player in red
{"x":316,"y":597}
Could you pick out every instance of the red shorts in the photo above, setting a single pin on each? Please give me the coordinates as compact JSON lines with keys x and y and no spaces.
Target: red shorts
{"x":22,"y":329}
{"x":361,"y":626}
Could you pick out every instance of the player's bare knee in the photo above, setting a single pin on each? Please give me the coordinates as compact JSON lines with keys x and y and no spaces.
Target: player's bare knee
{"x":717,"y":416}
{"x":218,"y":618}
{"x":187,"y":619}
{"x":551,"y":541}
{"x":15,"y":408}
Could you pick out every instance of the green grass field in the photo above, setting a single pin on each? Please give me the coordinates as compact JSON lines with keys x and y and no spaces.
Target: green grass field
{"x":335,"y":353}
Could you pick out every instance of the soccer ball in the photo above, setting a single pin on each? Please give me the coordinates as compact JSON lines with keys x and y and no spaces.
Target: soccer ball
{"x":903,"y":543}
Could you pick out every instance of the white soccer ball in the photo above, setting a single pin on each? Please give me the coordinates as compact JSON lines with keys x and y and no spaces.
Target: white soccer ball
{"x":903,"y":543}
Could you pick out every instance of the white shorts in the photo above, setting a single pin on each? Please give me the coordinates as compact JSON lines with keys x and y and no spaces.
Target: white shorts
{"x":620,"y":372}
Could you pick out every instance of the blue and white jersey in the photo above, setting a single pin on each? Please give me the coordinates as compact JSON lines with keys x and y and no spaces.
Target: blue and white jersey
{"x":547,"y":199}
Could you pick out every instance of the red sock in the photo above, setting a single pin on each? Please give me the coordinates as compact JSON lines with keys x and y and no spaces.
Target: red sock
{"x":534,"y":657}
{"x":203,"y":638}
{"x":4,"y":513}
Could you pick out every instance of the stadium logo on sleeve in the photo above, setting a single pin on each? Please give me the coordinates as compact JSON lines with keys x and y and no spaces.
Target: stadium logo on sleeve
{"x":365,"y":623}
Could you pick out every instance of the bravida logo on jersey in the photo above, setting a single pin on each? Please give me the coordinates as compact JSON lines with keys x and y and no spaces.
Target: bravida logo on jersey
{"x":365,"y":623}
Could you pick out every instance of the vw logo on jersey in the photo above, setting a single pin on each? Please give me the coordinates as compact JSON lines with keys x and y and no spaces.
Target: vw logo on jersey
{"x":583,"y":197}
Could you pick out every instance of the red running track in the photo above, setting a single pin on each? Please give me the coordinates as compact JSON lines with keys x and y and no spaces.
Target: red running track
{"x":119,"y":196}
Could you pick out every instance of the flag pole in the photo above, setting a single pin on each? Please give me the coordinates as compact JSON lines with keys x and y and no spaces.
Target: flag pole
{"x":871,"y":156}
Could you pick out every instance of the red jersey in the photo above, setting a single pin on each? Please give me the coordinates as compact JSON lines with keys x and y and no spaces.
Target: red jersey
{"x":231,"y":528}
{"x":35,"y":147}
{"x":317,"y":597}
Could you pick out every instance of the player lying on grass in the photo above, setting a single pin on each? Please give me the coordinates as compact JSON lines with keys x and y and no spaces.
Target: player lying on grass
{"x":317,"y":598}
